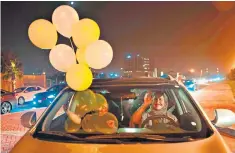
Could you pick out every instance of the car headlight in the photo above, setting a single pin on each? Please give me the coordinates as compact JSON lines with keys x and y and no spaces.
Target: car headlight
{"x":191,"y":86}
{"x":51,"y":96}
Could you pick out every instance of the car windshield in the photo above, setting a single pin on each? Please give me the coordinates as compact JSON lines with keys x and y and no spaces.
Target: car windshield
{"x":162,"y":109}
{"x":18,"y":90}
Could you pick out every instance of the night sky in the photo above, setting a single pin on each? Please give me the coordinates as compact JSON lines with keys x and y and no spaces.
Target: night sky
{"x":179,"y":35}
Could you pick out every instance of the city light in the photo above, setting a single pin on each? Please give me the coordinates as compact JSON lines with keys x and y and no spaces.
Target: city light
{"x":192,"y":70}
{"x":113,"y":75}
{"x":72,"y":3}
{"x":51,"y":96}
{"x":128,"y":56}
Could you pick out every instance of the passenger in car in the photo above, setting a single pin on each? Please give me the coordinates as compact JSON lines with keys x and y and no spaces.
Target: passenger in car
{"x":158,"y":103}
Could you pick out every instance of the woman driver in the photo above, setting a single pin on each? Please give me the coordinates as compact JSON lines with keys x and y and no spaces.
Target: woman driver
{"x":158,"y":107}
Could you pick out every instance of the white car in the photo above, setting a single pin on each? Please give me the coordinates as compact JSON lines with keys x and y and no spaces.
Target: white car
{"x":26,"y":94}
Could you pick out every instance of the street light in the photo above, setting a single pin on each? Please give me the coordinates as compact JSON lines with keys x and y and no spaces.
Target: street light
{"x":192,"y":70}
{"x":72,"y":3}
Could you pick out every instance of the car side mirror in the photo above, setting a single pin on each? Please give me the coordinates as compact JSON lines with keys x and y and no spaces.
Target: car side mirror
{"x":28,"y":119}
{"x":224,"y":118}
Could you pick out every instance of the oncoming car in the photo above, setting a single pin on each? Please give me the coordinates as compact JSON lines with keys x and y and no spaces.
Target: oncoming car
{"x":190,"y":85}
{"x":45,"y":98}
{"x":123,"y":116}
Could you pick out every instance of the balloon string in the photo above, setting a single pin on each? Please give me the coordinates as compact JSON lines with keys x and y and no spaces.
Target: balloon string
{"x":71,"y":44}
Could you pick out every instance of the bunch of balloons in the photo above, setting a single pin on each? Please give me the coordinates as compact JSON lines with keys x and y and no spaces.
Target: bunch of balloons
{"x":99,"y":121}
{"x":91,"y":52}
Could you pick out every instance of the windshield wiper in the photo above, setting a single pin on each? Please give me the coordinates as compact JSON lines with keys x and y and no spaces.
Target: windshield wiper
{"x":74,"y":137}
{"x":61,"y":134}
{"x":127,"y":136}
{"x":115,"y":138}
{"x":141,"y":136}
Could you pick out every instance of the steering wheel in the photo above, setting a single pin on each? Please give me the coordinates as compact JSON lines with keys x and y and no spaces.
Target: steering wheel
{"x":155,"y":118}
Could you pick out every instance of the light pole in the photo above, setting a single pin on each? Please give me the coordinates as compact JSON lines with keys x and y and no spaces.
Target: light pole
{"x":201,"y":74}
{"x":192,"y":70}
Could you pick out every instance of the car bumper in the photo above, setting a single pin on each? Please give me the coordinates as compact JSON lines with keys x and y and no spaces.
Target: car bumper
{"x":39,"y":102}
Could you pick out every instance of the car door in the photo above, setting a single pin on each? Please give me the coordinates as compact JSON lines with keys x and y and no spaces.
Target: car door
{"x":29,"y":93}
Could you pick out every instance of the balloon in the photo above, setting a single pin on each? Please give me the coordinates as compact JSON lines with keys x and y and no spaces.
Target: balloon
{"x":79,"y":77}
{"x":62,"y":57}
{"x":106,"y":124}
{"x":87,"y":123}
{"x":63,"y":18}
{"x":42,"y":34}
{"x":80,"y":55}
{"x":99,"y":54}
{"x":85,"y":32}
{"x":83,"y":102}
{"x":71,"y":127}
{"x":74,"y":117}
{"x":102,"y":105}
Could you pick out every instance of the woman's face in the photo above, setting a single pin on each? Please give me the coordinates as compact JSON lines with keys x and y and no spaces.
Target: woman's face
{"x":158,"y":103}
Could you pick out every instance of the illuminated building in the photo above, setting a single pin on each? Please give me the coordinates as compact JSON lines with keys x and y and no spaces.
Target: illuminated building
{"x":137,"y":65}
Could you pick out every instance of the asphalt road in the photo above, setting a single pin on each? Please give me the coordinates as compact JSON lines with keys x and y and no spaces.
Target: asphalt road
{"x":25,"y":107}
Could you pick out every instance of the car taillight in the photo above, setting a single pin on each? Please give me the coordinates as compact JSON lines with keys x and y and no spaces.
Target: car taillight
{"x":15,"y":94}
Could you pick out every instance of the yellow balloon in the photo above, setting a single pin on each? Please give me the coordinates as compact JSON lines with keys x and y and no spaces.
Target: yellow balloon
{"x":88,"y":123}
{"x":85,"y":32}
{"x":79,"y":77}
{"x":80,"y":55}
{"x":106,"y":124}
{"x":71,"y":127}
{"x":42,"y":34}
{"x":83,"y":102}
{"x":102,"y":105}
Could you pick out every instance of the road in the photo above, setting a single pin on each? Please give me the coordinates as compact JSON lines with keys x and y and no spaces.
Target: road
{"x":210,"y":97}
{"x":214,"y":96}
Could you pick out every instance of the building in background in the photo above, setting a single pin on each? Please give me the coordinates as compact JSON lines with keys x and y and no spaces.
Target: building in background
{"x":129,"y":62}
{"x":26,"y":80}
{"x":137,"y":66}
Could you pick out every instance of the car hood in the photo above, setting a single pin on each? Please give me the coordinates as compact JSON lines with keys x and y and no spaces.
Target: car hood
{"x":214,"y":144}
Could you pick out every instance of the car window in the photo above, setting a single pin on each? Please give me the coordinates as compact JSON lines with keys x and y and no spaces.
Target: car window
{"x":31,"y":89}
{"x":18,"y":90}
{"x":3,"y":92}
{"x":110,"y":111}
{"x":38,"y":88}
{"x":61,"y":87}
{"x":52,"y":89}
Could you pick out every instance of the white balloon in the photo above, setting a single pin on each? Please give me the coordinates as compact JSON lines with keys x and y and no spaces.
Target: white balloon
{"x":62,"y":57}
{"x":63,"y":18}
{"x":99,"y":54}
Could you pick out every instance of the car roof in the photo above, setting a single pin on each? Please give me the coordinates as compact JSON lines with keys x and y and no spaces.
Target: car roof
{"x":131,"y":82}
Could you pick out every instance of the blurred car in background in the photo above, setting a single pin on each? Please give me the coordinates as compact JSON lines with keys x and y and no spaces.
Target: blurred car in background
{"x":25,"y":94}
{"x":45,"y":98}
{"x":8,"y":101}
{"x":190,"y":85}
